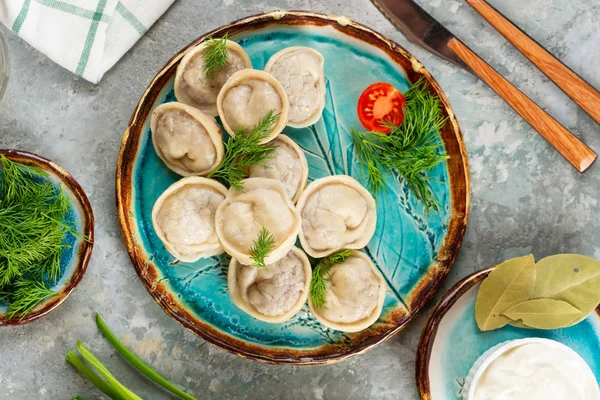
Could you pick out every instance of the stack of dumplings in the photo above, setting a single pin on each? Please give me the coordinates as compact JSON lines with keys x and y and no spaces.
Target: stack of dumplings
{"x":197,"y":217}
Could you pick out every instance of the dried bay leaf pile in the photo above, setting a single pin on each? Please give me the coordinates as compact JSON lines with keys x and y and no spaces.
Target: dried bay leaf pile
{"x":556,"y":292}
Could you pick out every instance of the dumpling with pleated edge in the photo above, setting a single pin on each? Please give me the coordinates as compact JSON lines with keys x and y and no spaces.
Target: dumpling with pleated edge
{"x":183,"y":218}
{"x":247,"y":97}
{"x":274,"y":293}
{"x":288,"y":165}
{"x":187,"y":140}
{"x":354,"y":295}
{"x":301,"y":71}
{"x":337,"y":213}
{"x":194,"y":88}
{"x":261,"y":204}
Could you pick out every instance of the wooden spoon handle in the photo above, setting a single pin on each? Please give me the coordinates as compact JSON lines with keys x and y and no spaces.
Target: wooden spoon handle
{"x":573,"y":85}
{"x":567,"y":144}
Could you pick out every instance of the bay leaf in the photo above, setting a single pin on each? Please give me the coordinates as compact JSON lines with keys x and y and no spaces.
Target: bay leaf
{"x":572,"y":278}
{"x":544,"y":313}
{"x":509,"y":284}
{"x":519,"y":324}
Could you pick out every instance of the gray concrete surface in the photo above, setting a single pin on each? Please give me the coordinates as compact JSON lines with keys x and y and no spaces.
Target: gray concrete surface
{"x":525,"y":197}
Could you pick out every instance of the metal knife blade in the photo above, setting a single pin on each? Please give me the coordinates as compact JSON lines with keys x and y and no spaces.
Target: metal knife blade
{"x":420,"y":28}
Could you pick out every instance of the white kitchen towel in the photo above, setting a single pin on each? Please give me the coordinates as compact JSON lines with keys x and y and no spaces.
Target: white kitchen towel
{"x":86,"y":37}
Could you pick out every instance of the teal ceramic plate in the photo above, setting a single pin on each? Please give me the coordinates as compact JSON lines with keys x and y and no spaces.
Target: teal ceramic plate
{"x":451,"y":342}
{"x":413,"y":250}
{"x":75,"y":257}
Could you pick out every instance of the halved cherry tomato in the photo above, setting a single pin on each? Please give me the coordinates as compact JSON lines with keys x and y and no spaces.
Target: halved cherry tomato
{"x":379,"y":103}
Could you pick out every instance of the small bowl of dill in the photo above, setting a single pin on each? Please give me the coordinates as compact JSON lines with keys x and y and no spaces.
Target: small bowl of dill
{"x":46,"y":236}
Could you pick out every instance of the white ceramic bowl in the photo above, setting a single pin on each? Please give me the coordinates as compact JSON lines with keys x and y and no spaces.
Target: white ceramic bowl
{"x":484,"y":361}
{"x":4,"y":65}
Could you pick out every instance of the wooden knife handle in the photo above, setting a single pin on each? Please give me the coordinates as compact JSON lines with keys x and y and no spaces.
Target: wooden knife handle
{"x":567,"y":144}
{"x":573,"y":85}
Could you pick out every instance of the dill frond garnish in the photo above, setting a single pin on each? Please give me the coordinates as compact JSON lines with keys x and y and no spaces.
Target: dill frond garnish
{"x":215,"y":55}
{"x":32,"y":232}
{"x":262,"y":246}
{"x":410,"y":149}
{"x":264,"y":126}
{"x":318,"y":282}
{"x":25,"y":296}
{"x":243,"y":150}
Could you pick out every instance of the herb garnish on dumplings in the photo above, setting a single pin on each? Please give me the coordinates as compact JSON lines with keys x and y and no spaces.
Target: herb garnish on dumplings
{"x":215,"y":55}
{"x":354,"y":294}
{"x":203,"y":71}
{"x":262,"y":246}
{"x":244,"y":150}
{"x":318,"y":283}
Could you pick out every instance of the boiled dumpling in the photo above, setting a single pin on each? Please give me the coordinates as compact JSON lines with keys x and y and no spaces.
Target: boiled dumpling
{"x":263,"y":203}
{"x":288,"y":166}
{"x":273,"y":294}
{"x":247,"y":97}
{"x":337,"y":213}
{"x":194,"y":88}
{"x":187,"y":140}
{"x":184,"y":218}
{"x":301,"y":71}
{"x":354,"y":296}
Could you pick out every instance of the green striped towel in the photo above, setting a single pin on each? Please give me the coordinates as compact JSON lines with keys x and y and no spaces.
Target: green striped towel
{"x":86,"y":37}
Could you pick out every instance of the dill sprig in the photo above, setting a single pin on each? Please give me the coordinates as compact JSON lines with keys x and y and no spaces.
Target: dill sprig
{"x":243,"y":150}
{"x":215,"y":55}
{"x":262,"y":246}
{"x":410,"y":150}
{"x":25,"y":296}
{"x":32,"y":233}
{"x":318,"y":281}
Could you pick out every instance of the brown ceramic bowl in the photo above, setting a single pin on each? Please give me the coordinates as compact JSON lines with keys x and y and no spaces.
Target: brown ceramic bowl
{"x":81,"y":250}
{"x":356,"y":56}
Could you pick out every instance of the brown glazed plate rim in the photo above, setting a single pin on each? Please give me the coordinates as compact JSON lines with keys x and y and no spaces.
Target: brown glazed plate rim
{"x":436,"y":316}
{"x":325,"y":354}
{"x":84,"y":250}
{"x":431,"y":327}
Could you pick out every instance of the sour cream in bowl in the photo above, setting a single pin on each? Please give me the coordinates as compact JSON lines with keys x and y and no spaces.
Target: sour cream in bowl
{"x":531,"y":369}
